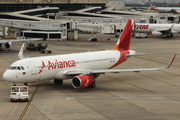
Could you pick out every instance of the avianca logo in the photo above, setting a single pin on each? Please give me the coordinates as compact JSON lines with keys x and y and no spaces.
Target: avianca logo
{"x":87,"y":83}
{"x":22,"y":49}
{"x":91,"y":20}
{"x":141,"y":26}
{"x":13,"y":23}
{"x":57,"y":65}
{"x":112,"y":21}
{"x":41,"y":70}
{"x":30,"y":25}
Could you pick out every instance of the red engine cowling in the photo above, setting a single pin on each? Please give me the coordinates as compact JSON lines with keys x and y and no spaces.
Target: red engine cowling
{"x":79,"y":82}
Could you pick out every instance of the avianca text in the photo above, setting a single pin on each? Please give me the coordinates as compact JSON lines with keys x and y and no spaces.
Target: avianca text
{"x":61,"y":64}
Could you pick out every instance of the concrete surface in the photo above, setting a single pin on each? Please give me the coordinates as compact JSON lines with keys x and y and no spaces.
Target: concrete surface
{"x":149,"y":95}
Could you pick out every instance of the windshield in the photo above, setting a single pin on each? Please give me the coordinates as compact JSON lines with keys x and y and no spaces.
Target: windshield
{"x":16,"y":68}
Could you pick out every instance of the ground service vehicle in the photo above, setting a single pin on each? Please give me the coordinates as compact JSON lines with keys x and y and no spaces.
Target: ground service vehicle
{"x":33,"y":47}
{"x":19,"y":94}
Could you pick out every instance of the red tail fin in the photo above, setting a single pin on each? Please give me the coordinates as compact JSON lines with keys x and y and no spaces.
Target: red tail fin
{"x":125,"y":38}
{"x":179,"y":3}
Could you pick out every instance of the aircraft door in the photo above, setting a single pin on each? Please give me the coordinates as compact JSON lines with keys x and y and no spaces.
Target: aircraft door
{"x":33,"y":68}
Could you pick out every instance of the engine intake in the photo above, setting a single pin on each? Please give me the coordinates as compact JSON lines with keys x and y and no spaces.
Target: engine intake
{"x":80,"y":82}
{"x":8,"y":44}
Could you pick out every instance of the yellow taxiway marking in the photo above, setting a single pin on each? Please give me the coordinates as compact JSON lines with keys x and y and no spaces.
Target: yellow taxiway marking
{"x":25,"y":109}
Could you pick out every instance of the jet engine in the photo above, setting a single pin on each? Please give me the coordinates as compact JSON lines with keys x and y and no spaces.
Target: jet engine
{"x":8,"y":44}
{"x":79,"y":82}
{"x":156,"y":34}
{"x":174,"y":32}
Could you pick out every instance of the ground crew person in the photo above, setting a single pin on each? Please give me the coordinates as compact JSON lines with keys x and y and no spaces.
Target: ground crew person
{"x":13,"y":84}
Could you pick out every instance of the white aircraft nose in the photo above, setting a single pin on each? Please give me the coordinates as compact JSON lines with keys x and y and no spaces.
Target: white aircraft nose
{"x":6,"y":76}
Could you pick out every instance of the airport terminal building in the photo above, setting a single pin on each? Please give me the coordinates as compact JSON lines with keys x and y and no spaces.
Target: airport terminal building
{"x":64,"y":5}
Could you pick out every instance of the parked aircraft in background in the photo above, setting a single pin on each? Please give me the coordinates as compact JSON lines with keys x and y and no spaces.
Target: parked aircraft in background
{"x":83,"y":68}
{"x":164,"y":9}
{"x":8,"y":42}
{"x":158,"y":30}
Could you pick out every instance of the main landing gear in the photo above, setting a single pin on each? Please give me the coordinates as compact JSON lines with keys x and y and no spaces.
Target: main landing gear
{"x":93,"y":85}
{"x":170,"y":35}
{"x":58,"y":81}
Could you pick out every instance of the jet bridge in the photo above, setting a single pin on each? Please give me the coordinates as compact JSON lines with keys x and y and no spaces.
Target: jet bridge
{"x":101,"y":28}
{"x":39,"y":11}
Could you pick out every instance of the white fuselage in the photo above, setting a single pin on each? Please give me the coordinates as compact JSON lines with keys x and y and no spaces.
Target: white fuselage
{"x":149,"y":28}
{"x":166,"y":9}
{"x":56,"y":67}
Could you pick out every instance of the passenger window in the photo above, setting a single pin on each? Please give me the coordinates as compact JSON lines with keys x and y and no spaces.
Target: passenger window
{"x":18,"y":68}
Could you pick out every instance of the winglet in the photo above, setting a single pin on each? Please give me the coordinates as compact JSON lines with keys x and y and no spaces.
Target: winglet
{"x":171,"y":27}
{"x":171,"y":61}
{"x":20,"y":55}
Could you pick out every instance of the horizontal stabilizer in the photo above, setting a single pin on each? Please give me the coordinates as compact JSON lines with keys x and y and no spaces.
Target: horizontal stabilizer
{"x":128,"y":55}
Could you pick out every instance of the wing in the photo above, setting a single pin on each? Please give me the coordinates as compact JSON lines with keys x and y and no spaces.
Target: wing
{"x":19,"y":40}
{"x":81,"y":72}
{"x":166,"y":31}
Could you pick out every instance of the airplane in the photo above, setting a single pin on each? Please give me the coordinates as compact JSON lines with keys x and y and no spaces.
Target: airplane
{"x":164,"y":9}
{"x":82,"y":68}
{"x":8,"y":42}
{"x":157,"y":30}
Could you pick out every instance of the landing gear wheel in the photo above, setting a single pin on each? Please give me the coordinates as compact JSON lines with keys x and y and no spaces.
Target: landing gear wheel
{"x":94,"y":39}
{"x":93,"y":85}
{"x":26,"y":84}
{"x":171,"y":35}
{"x":58,"y":81}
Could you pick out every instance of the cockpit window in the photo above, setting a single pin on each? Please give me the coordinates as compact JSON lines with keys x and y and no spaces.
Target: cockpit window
{"x":13,"y":68}
{"x":18,"y":68}
{"x":22,"y":68}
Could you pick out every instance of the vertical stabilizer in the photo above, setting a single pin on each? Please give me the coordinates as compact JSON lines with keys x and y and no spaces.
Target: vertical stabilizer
{"x":125,"y":38}
{"x":153,"y":7}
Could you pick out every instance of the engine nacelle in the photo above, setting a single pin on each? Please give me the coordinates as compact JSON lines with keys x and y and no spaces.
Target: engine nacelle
{"x":79,"y":82}
{"x":8,"y":44}
{"x":174,"y":32}
{"x":156,"y":34}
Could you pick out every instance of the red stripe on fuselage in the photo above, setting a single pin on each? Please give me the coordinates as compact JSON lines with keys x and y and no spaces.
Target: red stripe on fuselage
{"x":122,"y":58}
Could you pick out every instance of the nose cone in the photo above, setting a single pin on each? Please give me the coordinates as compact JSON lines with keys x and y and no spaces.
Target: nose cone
{"x":6,"y":76}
